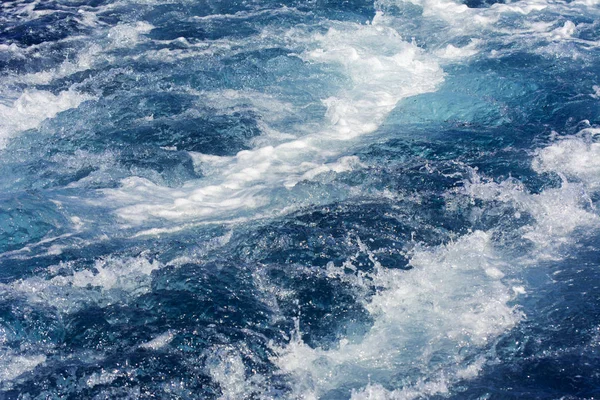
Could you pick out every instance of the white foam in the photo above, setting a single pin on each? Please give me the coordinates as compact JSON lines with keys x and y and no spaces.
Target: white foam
{"x":423,"y":388}
{"x":110,"y":274}
{"x":12,"y":366}
{"x":32,"y":107}
{"x":575,"y":157}
{"x":451,"y":52}
{"x":518,"y":24}
{"x":226,"y":367}
{"x":564,"y":32}
{"x":343,"y":164}
{"x":109,"y":280}
{"x":588,"y":3}
{"x":159,"y":342}
{"x":419,"y":390}
{"x":557,"y":212}
{"x":382,"y":68}
{"x":427,"y":313}
{"x":88,"y":18}
{"x":128,"y":35}
{"x":102,"y":378}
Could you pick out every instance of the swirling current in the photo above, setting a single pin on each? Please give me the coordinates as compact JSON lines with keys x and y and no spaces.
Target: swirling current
{"x":322,"y":199}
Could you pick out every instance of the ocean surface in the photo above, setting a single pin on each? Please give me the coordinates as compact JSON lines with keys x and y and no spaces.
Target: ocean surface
{"x":285,"y":199}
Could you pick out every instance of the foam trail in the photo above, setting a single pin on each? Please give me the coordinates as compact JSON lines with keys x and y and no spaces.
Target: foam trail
{"x":111,"y":278}
{"x":32,"y":107}
{"x":383,"y":69}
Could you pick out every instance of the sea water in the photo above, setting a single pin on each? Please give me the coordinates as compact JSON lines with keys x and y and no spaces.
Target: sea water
{"x":324,"y":199}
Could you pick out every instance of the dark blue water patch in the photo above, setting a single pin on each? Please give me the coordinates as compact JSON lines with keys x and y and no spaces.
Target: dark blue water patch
{"x":44,"y":57}
{"x":326,"y":309}
{"x":144,"y":375}
{"x":28,"y":327}
{"x":315,"y":237}
{"x":221,"y":135}
{"x":219,"y":292}
{"x":204,"y":305}
{"x":289,"y":258}
{"x":588,"y":31}
{"x":47,"y":28}
{"x":156,"y":119}
{"x":140,"y":370}
{"x":194,"y":30}
{"x":94,"y":169}
{"x":127,"y":144}
{"x":28,"y":217}
{"x":173,"y":168}
{"x":453,"y":150}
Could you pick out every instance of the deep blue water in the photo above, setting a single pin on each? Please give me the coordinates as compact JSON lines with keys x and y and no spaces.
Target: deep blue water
{"x":299,"y":200}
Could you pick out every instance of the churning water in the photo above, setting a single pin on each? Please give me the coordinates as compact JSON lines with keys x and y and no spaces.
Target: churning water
{"x":324,"y":199}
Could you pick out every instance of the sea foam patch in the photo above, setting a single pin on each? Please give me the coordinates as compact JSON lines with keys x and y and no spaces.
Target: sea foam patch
{"x":107,"y":281}
{"x":32,"y":107}
{"x":12,"y":365}
{"x":576,"y":157}
{"x":427,"y":322}
{"x":382,"y":67}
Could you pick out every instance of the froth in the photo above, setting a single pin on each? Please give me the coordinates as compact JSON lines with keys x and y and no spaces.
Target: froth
{"x":382,"y":68}
{"x":127,"y":35}
{"x":110,"y":279}
{"x":13,"y":365}
{"x":538,"y":26}
{"x":427,"y":321}
{"x":226,"y":367}
{"x":33,"y":107}
{"x":159,"y":341}
{"x":576,"y":157}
